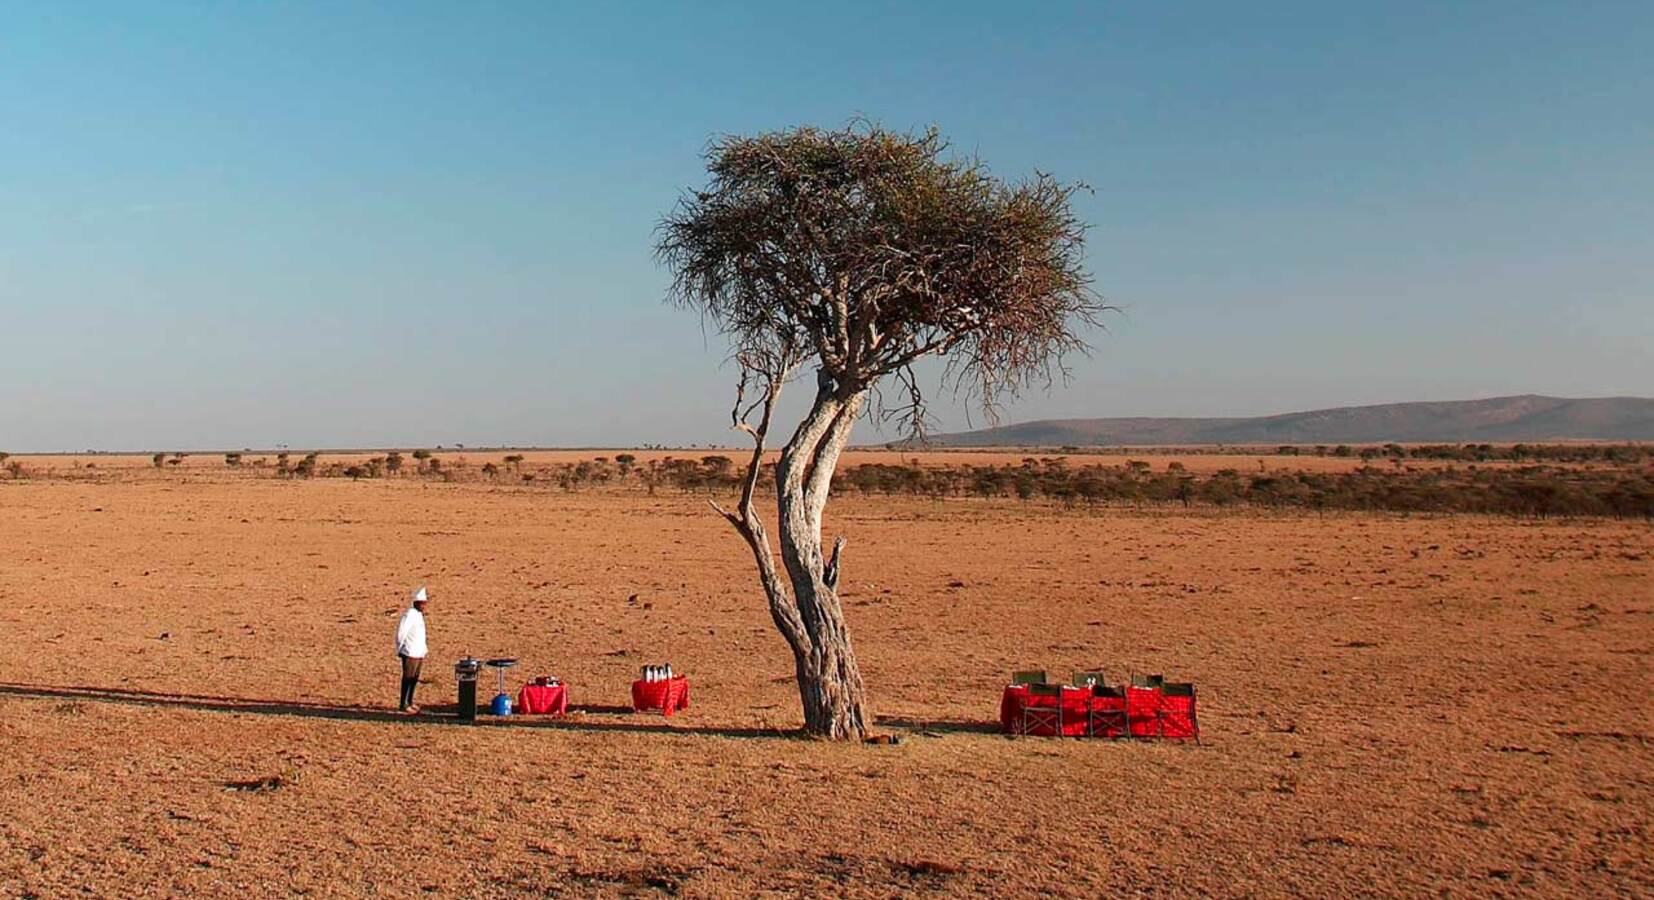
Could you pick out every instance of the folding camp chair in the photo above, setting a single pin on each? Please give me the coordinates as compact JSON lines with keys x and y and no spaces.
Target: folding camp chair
{"x":1177,"y":712}
{"x":1107,"y":714}
{"x":1028,"y":676}
{"x":1043,"y":710}
{"x":1143,"y":702}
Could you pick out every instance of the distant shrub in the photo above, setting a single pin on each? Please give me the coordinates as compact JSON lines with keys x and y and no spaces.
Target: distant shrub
{"x":1536,"y":491}
{"x":233,"y":460}
{"x":158,"y":460}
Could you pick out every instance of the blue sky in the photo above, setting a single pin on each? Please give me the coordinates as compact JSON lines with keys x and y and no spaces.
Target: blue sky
{"x":335,"y":224}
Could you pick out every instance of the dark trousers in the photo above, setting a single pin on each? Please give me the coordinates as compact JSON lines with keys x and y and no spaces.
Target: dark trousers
{"x":410,"y":679}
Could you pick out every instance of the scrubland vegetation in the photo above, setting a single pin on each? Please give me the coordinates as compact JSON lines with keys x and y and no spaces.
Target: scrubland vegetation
{"x":1538,"y":481}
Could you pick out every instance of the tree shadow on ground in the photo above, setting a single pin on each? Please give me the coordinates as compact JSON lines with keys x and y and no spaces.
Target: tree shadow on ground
{"x":577,"y":720}
{"x":937,"y":726}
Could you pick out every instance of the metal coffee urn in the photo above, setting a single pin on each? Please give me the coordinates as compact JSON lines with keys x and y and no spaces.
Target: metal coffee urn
{"x":465,"y":675}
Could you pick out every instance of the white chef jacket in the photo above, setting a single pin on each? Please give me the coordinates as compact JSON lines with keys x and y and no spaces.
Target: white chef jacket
{"x":410,"y":634}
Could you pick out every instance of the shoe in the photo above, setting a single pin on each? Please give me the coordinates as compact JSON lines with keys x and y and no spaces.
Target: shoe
{"x":412,"y":710}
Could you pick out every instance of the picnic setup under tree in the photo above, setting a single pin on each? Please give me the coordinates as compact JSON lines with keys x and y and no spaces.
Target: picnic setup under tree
{"x":851,"y":255}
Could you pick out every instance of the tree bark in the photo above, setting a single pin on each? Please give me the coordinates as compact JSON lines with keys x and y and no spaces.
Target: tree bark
{"x":805,"y":605}
{"x":829,"y":680}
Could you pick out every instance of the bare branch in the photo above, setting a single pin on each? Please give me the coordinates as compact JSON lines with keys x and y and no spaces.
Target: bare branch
{"x":830,"y":573}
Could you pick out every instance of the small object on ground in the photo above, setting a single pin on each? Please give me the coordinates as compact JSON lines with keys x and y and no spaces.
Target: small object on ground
{"x":502,"y":701}
{"x":664,"y":694}
{"x":542,"y":696}
{"x":465,"y":676}
{"x":884,"y":739}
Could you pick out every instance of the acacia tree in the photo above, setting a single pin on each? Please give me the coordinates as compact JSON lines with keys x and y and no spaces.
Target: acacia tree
{"x":858,"y":252}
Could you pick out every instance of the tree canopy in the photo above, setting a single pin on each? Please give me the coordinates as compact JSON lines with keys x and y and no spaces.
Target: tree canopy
{"x":866,"y":250}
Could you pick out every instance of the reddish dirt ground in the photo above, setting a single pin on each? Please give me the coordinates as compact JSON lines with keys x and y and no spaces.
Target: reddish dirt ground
{"x":1390,"y":704}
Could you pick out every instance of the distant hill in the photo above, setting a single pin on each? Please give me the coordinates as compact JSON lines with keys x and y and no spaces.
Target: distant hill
{"x":1502,"y":419}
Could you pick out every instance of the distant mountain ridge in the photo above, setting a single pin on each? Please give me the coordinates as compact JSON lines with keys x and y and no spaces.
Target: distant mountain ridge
{"x":1527,"y":417}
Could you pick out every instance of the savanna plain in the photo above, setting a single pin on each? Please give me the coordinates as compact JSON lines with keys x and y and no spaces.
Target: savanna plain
{"x":197,"y":686}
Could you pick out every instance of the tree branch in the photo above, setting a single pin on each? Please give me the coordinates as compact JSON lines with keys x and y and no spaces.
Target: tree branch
{"x":829,"y":574}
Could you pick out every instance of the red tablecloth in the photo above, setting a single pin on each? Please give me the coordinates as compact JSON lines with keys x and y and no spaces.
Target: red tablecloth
{"x":1148,"y":713}
{"x":668,"y":695}
{"x":543,"y":699}
{"x":1177,"y":718}
{"x":1075,"y":704}
{"x":1143,"y":709}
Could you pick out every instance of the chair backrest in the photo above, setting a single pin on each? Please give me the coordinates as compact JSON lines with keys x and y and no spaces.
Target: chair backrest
{"x":1147,"y":681}
{"x":1103,"y":690}
{"x":1028,"y":676}
{"x":1045,"y":690}
{"x":1087,"y":679}
{"x":1177,"y":689}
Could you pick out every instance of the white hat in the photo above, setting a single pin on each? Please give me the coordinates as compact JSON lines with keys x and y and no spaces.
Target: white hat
{"x":419,"y":595}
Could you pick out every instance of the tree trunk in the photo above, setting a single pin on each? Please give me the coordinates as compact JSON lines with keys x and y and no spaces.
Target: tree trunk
{"x":805,"y":604}
{"x":829,"y":681}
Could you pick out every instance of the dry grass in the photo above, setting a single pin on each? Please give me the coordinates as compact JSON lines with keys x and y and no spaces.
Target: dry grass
{"x":1391,"y":704}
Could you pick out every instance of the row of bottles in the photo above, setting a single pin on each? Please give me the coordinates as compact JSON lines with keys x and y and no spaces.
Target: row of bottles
{"x":657,"y":673}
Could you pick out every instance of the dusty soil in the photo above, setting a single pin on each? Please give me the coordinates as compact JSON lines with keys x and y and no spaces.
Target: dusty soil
{"x":196,"y":672}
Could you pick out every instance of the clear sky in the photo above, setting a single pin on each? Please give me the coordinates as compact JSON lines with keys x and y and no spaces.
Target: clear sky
{"x":335,"y":224}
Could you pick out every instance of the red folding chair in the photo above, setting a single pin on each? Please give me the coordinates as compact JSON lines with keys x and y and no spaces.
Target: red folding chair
{"x":1107,"y":716}
{"x":1042,"y":710}
{"x":1075,"y":704}
{"x":1143,"y":703}
{"x":1177,"y":712}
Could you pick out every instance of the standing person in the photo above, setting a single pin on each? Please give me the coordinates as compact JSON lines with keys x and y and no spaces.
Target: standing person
{"x":410,"y":648}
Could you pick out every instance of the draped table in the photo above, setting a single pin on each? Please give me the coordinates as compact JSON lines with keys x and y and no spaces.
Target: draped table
{"x":667,"y":695}
{"x":1148,"y":713}
{"x":1075,"y":705}
{"x":543,"y":699}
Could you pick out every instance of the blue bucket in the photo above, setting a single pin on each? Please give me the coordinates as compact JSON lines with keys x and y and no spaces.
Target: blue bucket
{"x":501,"y":705}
